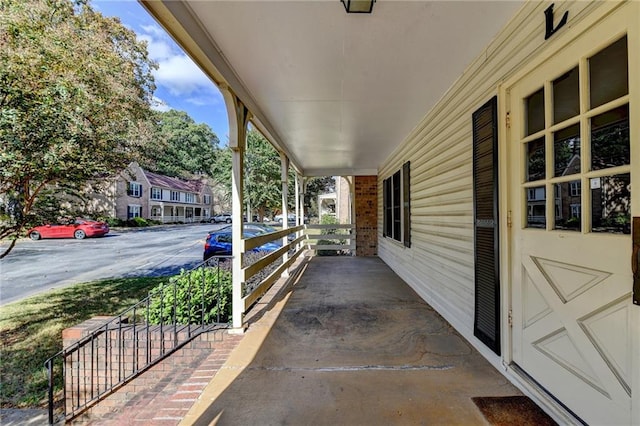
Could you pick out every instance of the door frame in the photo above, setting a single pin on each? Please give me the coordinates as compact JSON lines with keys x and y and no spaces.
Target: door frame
{"x":552,"y":47}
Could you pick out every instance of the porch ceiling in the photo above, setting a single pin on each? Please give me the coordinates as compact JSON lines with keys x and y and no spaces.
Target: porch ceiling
{"x":337,"y":92}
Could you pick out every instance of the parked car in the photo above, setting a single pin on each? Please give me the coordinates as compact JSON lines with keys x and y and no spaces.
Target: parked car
{"x":221,"y":218}
{"x":220,"y":243}
{"x":78,"y":229}
{"x":291,"y":218}
{"x":259,"y":228}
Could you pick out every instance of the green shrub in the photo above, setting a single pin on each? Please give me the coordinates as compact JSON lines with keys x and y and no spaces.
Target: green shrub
{"x":137,"y":222}
{"x":204,"y":287}
{"x":330,"y":220}
{"x":113,"y":221}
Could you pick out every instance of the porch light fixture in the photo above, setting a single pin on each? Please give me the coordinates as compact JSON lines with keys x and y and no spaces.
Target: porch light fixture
{"x":358,"y":6}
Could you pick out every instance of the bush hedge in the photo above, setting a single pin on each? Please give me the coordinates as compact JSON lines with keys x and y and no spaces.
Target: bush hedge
{"x":198,"y":296}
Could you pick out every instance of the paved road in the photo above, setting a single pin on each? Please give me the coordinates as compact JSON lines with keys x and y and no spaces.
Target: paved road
{"x":36,"y":266}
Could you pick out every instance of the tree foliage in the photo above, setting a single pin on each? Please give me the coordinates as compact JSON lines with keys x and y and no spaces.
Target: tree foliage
{"x":180,"y":146}
{"x":262,"y":187}
{"x":75,"y":90}
{"x":315,"y":187}
{"x":262,"y":179}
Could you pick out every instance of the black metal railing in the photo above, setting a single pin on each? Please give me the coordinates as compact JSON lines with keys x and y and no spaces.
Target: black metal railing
{"x":121,"y":348}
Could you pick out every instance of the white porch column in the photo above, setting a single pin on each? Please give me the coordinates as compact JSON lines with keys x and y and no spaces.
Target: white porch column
{"x":238,"y":119}
{"x":299,"y":211}
{"x":284,"y":176}
{"x":352,"y":199}
{"x":297,"y":194}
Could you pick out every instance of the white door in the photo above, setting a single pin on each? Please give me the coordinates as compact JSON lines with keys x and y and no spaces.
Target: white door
{"x":570,"y":169}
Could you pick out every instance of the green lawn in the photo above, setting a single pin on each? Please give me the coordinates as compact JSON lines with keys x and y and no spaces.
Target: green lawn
{"x":31,"y":331}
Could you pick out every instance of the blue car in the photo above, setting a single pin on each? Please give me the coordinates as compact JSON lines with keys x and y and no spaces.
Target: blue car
{"x":219,"y":243}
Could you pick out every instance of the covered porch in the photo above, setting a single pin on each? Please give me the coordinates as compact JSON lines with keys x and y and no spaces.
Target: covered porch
{"x":442,"y":112}
{"x":346,"y":341}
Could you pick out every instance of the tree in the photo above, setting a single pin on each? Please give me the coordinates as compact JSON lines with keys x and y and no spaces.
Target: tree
{"x":315,"y":187}
{"x":181,"y":147}
{"x":262,"y":188}
{"x":75,"y":91}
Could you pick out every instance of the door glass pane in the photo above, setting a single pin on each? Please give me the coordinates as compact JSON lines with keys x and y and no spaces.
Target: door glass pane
{"x":535,"y":159}
{"x":534,"y":107}
{"x":611,"y":204}
{"x":536,"y":211}
{"x":567,"y":206}
{"x":610,"y":139}
{"x":566,"y":98}
{"x":566,"y":151}
{"x":608,"y":73}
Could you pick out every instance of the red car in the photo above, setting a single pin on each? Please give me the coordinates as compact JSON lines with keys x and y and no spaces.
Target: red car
{"x":78,"y":229}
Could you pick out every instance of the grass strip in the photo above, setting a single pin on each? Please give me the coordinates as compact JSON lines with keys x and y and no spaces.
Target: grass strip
{"x":31,"y":331}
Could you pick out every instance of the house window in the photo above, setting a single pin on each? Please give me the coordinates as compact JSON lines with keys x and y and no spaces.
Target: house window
{"x":575,"y":188}
{"x":575,"y":210}
{"x":134,"y":189}
{"x":174,"y":196}
{"x":156,"y":194}
{"x":206,"y":199}
{"x":133,"y":211}
{"x":396,"y":206}
{"x":190,"y":198}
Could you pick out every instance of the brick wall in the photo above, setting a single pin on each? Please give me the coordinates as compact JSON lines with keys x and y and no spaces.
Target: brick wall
{"x":366,"y":203}
{"x":87,"y":376}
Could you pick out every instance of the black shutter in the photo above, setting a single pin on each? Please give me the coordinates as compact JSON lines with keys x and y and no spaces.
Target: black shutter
{"x":385,"y":197}
{"x":406,"y":196}
{"x":396,"y":193}
{"x":485,"y":205}
{"x":388,"y":220}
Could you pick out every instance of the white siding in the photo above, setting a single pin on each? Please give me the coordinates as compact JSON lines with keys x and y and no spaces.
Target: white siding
{"x":440,"y":264}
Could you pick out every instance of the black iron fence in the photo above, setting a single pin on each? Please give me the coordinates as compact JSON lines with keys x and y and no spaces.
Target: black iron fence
{"x":126,"y":345}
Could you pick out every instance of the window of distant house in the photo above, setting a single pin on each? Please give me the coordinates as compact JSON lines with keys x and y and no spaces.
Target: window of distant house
{"x":156,"y":194}
{"x":133,"y":211}
{"x":575,"y":210}
{"x":190,"y":198}
{"x":206,"y":199}
{"x":134,"y":189}
{"x":575,"y":188}
{"x":396,"y":196}
{"x":174,"y":196}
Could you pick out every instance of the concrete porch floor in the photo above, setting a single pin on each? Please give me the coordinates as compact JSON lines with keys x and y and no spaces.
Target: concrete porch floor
{"x":349,"y":343}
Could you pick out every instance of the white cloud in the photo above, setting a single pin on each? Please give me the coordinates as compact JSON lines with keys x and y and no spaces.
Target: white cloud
{"x":154,"y":30}
{"x":176,"y":71}
{"x":158,"y":49}
{"x":158,"y":104}
{"x":180,"y":76}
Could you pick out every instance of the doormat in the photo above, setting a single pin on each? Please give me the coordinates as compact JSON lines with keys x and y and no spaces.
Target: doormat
{"x":512,"y":410}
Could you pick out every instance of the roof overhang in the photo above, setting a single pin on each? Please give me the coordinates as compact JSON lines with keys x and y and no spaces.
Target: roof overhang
{"x":336,"y":92}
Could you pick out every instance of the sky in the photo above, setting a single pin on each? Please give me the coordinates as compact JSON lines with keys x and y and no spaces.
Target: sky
{"x":180,"y":84}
